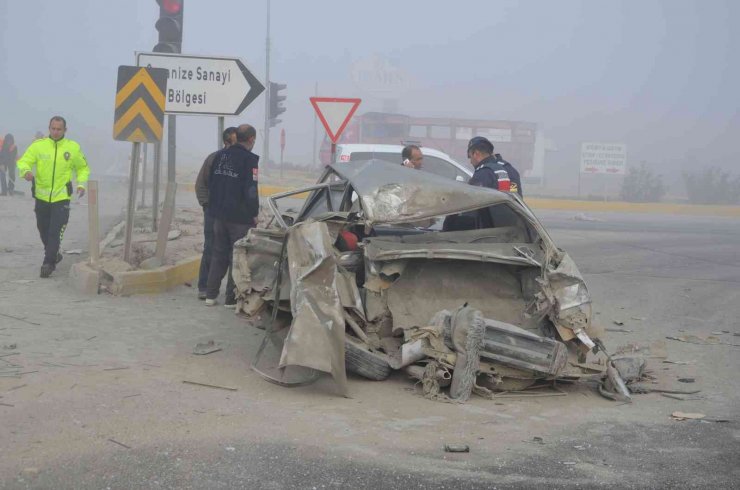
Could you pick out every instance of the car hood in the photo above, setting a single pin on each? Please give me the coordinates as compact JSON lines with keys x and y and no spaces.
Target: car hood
{"x":395,"y":194}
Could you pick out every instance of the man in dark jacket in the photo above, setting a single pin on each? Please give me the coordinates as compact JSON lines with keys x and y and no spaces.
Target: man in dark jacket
{"x":233,"y":204}
{"x":516,"y":180}
{"x":488,"y":172}
{"x":201,"y":192}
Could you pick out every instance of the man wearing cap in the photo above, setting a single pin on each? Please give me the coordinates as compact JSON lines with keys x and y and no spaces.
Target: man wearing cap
{"x":488,"y":171}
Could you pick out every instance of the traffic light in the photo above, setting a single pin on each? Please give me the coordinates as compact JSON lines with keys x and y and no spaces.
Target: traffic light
{"x":276,"y":107}
{"x":169,"y":26}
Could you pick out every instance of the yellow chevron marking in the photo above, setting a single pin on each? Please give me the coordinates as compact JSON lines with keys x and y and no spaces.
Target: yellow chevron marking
{"x":137,"y":137}
{"x":141,"y":78}
{"x":139,"y":108}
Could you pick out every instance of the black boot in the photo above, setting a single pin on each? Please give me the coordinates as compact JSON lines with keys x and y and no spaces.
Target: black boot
{"x":46,"y":270}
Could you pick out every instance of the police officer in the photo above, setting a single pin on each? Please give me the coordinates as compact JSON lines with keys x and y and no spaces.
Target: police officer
{"x":55,"y":158}
{"x":488,"y":171}
{"x":516,"y":180}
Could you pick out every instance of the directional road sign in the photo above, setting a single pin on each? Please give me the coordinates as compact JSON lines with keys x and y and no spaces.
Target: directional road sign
{"x":208,"y":85}
{"x":334,"y":114}
{"x":139,"y":110}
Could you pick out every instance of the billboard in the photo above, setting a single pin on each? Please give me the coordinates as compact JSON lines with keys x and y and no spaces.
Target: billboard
{"x":604,"y":158}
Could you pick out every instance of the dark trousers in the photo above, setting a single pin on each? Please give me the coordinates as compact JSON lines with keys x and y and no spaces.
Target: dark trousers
{"x":224,"y":236}
{"x":3,"y":182}
{"x":205,"y":260}
{"x":51,"y":220}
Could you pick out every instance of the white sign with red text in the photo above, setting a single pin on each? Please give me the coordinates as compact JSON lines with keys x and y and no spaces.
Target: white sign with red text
{"x":604,"y":158}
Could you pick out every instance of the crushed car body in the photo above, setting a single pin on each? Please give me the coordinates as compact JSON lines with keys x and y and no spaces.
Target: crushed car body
{"x":387,"y":268}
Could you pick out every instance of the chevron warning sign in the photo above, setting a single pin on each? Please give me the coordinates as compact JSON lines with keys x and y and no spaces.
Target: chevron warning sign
{"x":139,"y":113}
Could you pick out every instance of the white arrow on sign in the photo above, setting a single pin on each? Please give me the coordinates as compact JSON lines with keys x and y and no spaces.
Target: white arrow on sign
{"x":334,"y":114}
{"x":210,"y":85}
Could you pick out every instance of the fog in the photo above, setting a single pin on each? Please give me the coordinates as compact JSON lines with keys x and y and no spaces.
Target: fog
{"x":661,"y":77}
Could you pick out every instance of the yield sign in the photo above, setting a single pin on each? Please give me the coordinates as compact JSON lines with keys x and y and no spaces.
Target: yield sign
{"x":334,"y":114}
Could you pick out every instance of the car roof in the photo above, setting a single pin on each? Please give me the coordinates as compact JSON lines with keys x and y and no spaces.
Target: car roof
{"x":377,"y":148}
{"x":392,"y":193}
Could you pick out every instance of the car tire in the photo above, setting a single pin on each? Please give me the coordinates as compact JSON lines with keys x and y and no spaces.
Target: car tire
{"x":360,"y":360}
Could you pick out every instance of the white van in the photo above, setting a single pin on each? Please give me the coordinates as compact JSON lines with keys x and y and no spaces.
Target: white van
{"x":434,"y":162}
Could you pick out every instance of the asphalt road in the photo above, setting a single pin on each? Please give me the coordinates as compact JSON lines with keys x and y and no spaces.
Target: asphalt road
{"x":103,"y":405}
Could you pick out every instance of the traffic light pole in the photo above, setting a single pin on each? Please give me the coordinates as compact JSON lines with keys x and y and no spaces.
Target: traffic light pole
{"x":266,"y":142}
{"x":220,"y":136}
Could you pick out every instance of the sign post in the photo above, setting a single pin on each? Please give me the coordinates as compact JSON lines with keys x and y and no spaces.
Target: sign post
{"x":334,"y":113}
{"x":602,"y":158}
{"x":93,"y":224}
{"x":282,"y":150}
{"x":138,"y":118}
{"x":197,"y":85}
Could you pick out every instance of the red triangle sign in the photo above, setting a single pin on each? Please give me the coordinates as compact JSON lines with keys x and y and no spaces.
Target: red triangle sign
{"x":334,"y":114}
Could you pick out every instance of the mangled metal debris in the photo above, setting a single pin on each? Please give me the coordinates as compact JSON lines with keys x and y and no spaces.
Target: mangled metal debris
{"x":367,"y":277}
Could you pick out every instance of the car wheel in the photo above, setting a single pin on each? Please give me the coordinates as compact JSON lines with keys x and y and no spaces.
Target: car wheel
{"x":360,"y":360}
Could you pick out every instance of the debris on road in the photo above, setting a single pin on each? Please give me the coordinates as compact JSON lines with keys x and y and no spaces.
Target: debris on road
{"x":228,"y":388}
{"x":457,"y":448}
{"x":680,"y":363}
{"x":619,"y":330}
{"x":209,"y":347}
{"x":687,"y":416}
{"x":20,"y":319}
{"x":695,"y":339}
{"x":119,"y":443}
{"x":681,"y":397}
{"x":76,"y":251}
{"x":585,"y":217}
{"x":686,"y":380}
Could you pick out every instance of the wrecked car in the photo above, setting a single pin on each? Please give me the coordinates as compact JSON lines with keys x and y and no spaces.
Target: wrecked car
{"x":368,"y":277}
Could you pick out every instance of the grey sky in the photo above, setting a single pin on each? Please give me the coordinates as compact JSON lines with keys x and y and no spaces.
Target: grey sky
{"x":660,"y":76}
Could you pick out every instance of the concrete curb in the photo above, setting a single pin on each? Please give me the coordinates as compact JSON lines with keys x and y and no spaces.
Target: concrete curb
{"x":154,"y":281}
{"x":85,"y":278}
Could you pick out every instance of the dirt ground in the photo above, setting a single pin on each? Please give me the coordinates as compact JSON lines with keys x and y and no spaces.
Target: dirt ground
{"x":93,"y":392}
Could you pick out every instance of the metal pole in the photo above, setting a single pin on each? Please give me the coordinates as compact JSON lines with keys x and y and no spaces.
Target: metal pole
{"x":315,"y":120}
{"x":168,"y":212}
{"x":333,"y":152}
{"x":579,"y":183}
{"x":266,"y":142}
{"x":281,"y":162}
{"x":93,"y":225}
{"x":132,"y":178}
{"x":143,"y":174}
{"x":171,"y":147}
{"x":220,"y":141}
{"x":155,"y":184}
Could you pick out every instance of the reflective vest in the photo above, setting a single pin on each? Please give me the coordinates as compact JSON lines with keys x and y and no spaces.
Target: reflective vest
{"x":55,"y":161}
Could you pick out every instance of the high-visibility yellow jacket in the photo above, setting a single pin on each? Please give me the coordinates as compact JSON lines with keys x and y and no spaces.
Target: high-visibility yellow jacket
{"x":54,"y":161}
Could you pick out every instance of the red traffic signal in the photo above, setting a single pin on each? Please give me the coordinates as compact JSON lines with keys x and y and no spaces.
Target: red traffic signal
{"x":169,"y":26}
{"x":172,"y":7}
